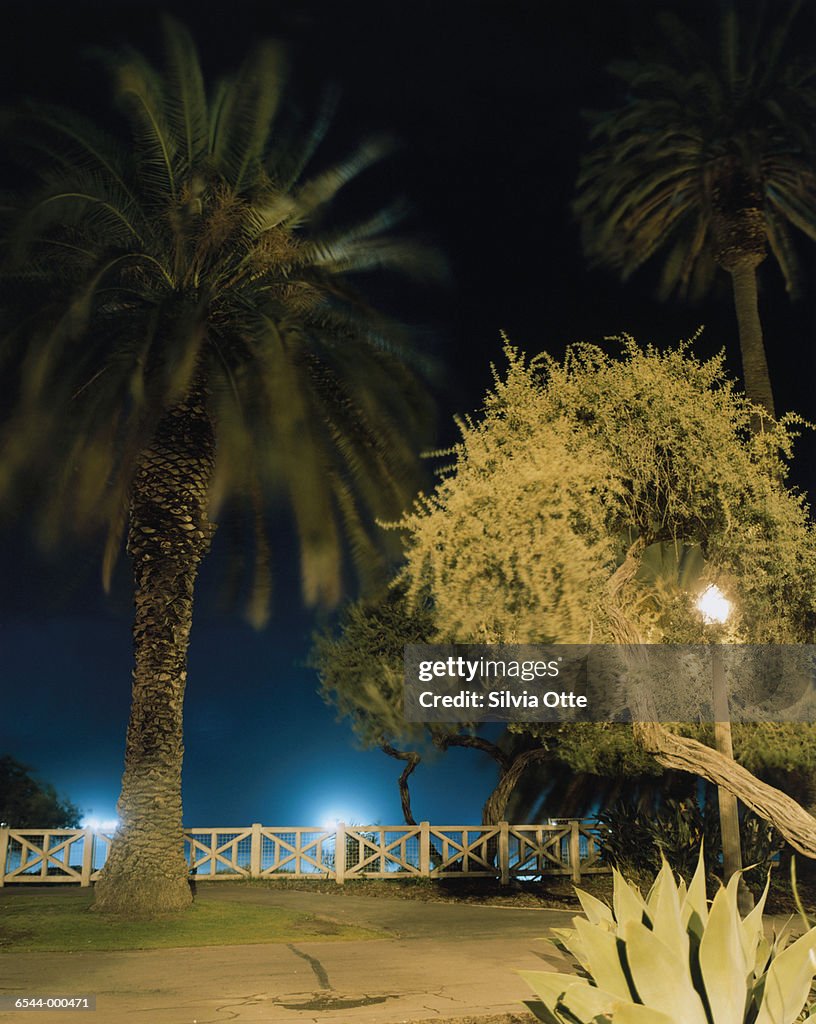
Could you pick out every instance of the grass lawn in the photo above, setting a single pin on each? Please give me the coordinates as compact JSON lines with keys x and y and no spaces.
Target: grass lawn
{"x":63,"y":921}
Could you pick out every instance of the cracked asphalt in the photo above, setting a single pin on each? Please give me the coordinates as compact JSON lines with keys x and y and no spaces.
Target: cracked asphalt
{"x":437,"y":962}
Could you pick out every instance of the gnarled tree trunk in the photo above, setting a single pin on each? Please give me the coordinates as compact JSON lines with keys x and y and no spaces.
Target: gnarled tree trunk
{"x":412,"y":759}
{"x":688,"y":755}
{"x":495,"y":806}
{"x":169,"y":533}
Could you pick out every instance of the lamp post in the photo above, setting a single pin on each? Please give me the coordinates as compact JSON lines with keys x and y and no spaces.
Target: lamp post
{"x":715,"y":607}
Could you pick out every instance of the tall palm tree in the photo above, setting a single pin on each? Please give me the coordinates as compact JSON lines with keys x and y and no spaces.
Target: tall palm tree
{"x":709,"y":159}
{"x":184,"y":333}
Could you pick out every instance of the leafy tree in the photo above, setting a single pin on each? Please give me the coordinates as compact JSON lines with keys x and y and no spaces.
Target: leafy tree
{"x":555,"y":496}
{"x":181,"y":315}
{"x":25,"y":802}
{"x":361,"y":674}
{"x":709,"y":160}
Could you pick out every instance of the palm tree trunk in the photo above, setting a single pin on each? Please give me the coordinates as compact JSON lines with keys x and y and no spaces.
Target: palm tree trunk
{"x":169,"y":533}
{"x":752,"y":348}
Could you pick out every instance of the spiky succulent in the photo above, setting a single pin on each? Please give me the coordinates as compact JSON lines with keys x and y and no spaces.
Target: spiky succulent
{"x":672,"y":958}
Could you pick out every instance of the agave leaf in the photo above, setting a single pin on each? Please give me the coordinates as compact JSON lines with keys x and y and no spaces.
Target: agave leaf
{"x":694,"y":912}
{"x":781,"y":938}
{"x":751,"y":932}
{"x":788,"y":981}
{"x":634,"y":1014}
{"x":595,"y":910}
{"x":762,"y":956}
{"x":663,"y":982}
{"x":569,"y":940}
{"x":603,"y":956}
{"x":587,"y":1003}
{"x":542,"y":1012}
{"x":723,"y":963}
{"x":627,"y":903}
{"x":549,"y":986}
{"x":664,"y":910}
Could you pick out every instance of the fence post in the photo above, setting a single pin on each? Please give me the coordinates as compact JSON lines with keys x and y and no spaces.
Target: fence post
{"x":425,"y":849}
{"x":575,"y":850}
{"x":4,"y":843}
{"x":87,"y":857}
{"x":255,"y":851}
{"x":340,"y":853}
{"x":504,"y":852}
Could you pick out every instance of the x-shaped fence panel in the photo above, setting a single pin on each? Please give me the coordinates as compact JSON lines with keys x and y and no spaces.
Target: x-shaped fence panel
{"x":298,"y":852}
{"x":218,"y":853}
{"x":374,"y":853}
{"x":465,"y":851}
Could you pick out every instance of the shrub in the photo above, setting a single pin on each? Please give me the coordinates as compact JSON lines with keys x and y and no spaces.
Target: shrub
{"x":635,"y":842}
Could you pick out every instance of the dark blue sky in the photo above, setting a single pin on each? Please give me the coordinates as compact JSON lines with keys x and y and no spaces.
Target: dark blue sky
{"x":487,"y":97}
{"x":260,"y":743}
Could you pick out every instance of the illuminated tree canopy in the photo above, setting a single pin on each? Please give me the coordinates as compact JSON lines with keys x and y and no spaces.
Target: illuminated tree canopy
{"x":546,"y":523}
{"x":573,"y":463}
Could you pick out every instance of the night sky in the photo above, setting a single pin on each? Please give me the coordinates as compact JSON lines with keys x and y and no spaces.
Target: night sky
{"x":486,"y":98}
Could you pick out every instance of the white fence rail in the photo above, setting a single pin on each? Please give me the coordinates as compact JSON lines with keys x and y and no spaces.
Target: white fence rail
{"x":503,"y":851}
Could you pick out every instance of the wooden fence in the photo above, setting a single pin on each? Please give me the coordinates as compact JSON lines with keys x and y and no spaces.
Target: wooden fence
{"x":503,"y":851}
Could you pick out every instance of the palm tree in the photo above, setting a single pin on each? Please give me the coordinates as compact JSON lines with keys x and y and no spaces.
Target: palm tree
{"x":183,"y":334}
{"x":709,"y":159}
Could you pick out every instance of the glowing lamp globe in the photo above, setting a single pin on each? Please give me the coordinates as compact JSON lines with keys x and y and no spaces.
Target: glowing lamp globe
{"x":714,"y":605}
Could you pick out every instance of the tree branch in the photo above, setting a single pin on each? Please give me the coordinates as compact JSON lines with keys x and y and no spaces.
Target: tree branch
{"x":413,"y":759}
{"x":688,"y":755}
{"x":445,"y":740}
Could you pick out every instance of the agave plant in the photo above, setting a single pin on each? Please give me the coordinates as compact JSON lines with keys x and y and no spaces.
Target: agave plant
{"x":672,"y":958}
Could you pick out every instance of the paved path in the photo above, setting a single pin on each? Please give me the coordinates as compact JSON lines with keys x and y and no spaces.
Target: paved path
{"x":439,"y":961}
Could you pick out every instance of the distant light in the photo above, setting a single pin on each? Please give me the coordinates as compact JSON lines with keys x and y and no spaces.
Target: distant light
{"x":101,"y":824}
{"x":714,"y":605}
{"x":332,"y":820}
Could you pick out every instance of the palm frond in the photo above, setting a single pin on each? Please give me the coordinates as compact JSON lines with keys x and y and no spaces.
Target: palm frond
{"x":141,"y":93}
{"x":245,"y":108}
{"x":658,"y":160}
{"x":185,"y":100}
{"x":323,"y":188}
{"x":345,"y":254}
{"x":181,"y":252}
{"x":70,"y":144}
{"x":730,"y":49}
{"x":289,"y":157}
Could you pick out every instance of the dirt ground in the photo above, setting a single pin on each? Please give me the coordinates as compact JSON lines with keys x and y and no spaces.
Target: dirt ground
{"x":558,"y":893}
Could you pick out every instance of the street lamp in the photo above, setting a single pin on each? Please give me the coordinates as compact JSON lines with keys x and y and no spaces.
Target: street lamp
{"x":715,"y":607}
